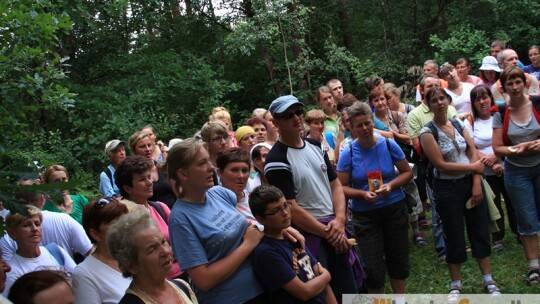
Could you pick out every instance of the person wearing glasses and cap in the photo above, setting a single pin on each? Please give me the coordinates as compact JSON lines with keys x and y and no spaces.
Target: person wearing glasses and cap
{"x":303,"y":172}
{"x":115,"y":150}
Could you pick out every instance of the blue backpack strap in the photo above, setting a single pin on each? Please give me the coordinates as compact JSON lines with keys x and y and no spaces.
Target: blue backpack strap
{"x":55,"y":251}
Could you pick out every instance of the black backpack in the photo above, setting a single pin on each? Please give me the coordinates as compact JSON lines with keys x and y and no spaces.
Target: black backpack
{"x":435,"y":133}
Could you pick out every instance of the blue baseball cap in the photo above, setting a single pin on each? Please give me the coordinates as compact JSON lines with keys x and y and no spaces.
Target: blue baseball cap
{"x":281,"y":104}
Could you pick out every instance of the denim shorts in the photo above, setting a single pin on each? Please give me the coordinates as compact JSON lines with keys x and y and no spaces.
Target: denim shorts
{"x":523,"y":186}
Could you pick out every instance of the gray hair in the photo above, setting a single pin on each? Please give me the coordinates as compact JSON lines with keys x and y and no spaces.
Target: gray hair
{"x":121,"y":238}
{"x":357,"y":109}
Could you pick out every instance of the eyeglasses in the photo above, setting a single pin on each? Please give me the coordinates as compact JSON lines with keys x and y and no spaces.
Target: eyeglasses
{"x":220,"y":138}
{"x":285,"y":207}
{"x":290,"y":115}
{"x":102,"y":202}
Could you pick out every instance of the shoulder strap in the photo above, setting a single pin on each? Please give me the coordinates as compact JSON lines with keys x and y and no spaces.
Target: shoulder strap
{"x":505,"y":118}
{"x":109,"y":175}
{"x":159,"y":209}
{"x":395,"y":116}
{"x":433,"y":130}
{"x":184,"y":286}
{"x":457,"y":125}
{"x":54,"y":250}
{"x":536,"y":106}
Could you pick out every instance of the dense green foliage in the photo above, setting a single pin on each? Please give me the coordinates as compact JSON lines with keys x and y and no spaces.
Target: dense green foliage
{"x":78,"y":73}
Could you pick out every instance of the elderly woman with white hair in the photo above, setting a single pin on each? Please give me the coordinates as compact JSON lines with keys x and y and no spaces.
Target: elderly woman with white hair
{"x":144,"y":254}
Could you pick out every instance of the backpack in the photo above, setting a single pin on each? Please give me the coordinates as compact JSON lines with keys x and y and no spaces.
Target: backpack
{"x":503,"y":110}
{"x":410,"y":152}
{"x":109,"y":175}
{"x":435,"y":133}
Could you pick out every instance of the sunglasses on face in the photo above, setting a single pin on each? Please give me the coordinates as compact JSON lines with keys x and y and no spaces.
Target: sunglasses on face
{"x":290,"y":115}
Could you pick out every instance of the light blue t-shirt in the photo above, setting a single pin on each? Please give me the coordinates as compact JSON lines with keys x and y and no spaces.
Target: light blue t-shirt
{"x":106,"y":186}
{"x":367,"y":160}
{"x":203,"y":233}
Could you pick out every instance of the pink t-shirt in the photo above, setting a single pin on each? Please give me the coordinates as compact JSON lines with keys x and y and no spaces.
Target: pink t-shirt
{"x":164,"y":227}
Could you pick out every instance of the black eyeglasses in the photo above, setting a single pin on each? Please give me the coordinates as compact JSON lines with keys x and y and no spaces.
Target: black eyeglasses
{"x":220,"y":138}
{"x":285,"y":207}
{"x":102,"y":202}
{"x":290,"y":115}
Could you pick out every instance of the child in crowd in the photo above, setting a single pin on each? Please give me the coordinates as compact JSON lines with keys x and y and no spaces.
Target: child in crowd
{"x":289,"y":273}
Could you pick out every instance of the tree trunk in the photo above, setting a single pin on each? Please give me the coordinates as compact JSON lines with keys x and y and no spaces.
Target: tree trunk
{"x":268,"y":59}
{"x":345,"y":25}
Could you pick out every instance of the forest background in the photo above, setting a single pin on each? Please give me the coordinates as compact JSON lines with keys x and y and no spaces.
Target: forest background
{"x":75,"y":74}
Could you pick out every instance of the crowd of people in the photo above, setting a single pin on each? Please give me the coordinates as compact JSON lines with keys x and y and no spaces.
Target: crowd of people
{"x":296,"y":206}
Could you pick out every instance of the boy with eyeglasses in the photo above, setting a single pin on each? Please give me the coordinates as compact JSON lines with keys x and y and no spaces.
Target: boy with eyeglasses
{"x":289,"y":273}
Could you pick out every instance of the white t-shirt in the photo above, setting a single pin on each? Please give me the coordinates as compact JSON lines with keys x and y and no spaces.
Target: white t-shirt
{"x":20,"y":265}
{"x":482,"y":136}
{"x":96,"y":282}
{"x":59,"y":228}
{"x":462,"y":102}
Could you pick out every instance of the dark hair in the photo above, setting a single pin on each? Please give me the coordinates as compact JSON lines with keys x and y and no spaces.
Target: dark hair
{"x":346,"y":101}
{"x":479,"y":91}
{"x":376,"y":92}
{"x":263,"y":196}
{"x":511,"y":72}
{"x":463,"y":60}
{"x":445,"y":69}
{"x":371,"y":82}
{"x":29,"y":285}
{"x":437,"y":90}
{"x":256,"y":153}
{"x":256,"y":121}
{"x":93,"y":217}
{"x":422,"y":81}
{"x":134,"y":164}
{"x":534,"y":46}
{"x":498,"y":43}
{"x":232,"y":155}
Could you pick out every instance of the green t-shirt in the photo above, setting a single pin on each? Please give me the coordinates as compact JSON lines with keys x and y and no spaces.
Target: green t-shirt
{"x":79,"y":201}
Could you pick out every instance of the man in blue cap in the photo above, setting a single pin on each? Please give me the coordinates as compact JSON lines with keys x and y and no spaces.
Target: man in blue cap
{"x":302,"y":171}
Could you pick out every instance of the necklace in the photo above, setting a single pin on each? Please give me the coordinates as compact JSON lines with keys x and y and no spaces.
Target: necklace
{"x":152,"y":300}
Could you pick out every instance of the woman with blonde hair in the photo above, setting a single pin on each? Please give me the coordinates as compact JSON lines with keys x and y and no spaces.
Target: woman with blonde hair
{"x":225,"y":116}
{"x":210,"y":238}
{"x":315,"y":121}
{"x":25,"y":230}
